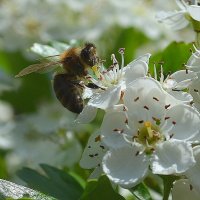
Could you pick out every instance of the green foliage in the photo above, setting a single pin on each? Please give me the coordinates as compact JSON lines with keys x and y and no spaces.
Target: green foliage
{"x":129,"y":38}
{"x":141,"y":192}
{"x":174,"y":56}
{"x":56,"y":183}
{"x":33,"y":89}
{"x":99,"y":190}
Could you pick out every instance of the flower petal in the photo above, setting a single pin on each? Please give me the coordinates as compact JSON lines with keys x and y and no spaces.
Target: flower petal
{"x":182,"y":190}
{"x":124,"y":166}
{"x":181,"y":4}
{"x":135,"y":70}
{"x":175,"y":20}
{"x":193,"y":173}
{"x":106,"y":98}
{"x":144,"y":58}
{"x":44,"y":50}
{"x":114,"y":128}
{"x":87,"y":115}
{"x":93,"y":152}
{"x":181,"y":96}
{"x":183,"y":78}
{"x":193,"y":62}
{"x":194,"y":90}
{"x":194,"y":11}
{"x":96,"y":172}
{"x":145,"y":99}
{"x":171,"y":157}
{"x":182,"y":122}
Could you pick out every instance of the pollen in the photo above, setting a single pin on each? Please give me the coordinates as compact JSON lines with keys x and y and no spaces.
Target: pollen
{"x":147,"y":124}
{"x":95,"y":68}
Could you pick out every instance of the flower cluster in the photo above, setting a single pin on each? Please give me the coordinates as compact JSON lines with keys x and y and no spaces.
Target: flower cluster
{"x":149,"y":125}
{"x":151,"y":122}
{"x":60,"y":20}
{"x":189,"y":12}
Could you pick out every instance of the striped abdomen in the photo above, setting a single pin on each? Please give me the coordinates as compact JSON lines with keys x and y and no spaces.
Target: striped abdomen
{"x":68,"y":92}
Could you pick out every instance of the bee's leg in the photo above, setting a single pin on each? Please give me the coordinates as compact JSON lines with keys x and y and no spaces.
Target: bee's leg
{"x":93,"y":86}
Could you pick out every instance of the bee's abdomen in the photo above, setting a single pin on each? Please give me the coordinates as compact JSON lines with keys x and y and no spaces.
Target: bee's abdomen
{"x":68,"y":92}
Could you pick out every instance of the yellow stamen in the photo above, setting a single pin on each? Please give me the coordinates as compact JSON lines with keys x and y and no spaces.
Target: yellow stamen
{"x":95,"y":69}
{"x":149,"y":130}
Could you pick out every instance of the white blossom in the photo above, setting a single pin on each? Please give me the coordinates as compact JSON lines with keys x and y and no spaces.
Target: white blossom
{"x":189,"y":10}
{"x":193,"y":174}
{"x":150,"y":129}
{"x":65,"y":20}
{"x":175,"y":84}
{"x":193,"y":64}
{"x":112,"y":83}
{"x":182,"y":189}
{"x":52,"y":128}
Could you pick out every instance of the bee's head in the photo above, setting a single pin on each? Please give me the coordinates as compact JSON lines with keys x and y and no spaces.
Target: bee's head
{"x":88,"y":54}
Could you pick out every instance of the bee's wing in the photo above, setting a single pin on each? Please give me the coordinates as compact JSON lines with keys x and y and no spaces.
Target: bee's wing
{"x":40,"y":67}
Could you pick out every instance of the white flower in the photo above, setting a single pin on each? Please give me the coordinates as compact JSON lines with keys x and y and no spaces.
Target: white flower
{"x":176,"y":83}
{"x":7,"y":82}
{"x":93,"y":154}
{"x":52,"y":128}
{"x":182,"y":189}
{"x":112,"y":83}
{"x":193,"y":174}
{"x":193,"y":64}
{"x":148,"y":130}
{"x":189,"y":10}
{"x":7,"y":125}
{"x":65,"y":20}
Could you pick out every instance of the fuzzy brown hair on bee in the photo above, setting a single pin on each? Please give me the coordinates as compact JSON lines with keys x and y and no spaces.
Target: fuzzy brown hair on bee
{"x":67,"y":84}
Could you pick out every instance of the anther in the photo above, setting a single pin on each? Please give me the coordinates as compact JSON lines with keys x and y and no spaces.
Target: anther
{"x":101,"y":146}
{"x":98,"y":138}
{"x":141,"y":121}
{"x":147,"y":108}
{"x":137,"y":153}
{"x":191,"y":187}
{"x":155,"y":98}
{"x":171,"y":136}
{"x":136,"y":99}
{"x":195,"y":90}
{"x":125,"y":108}
{"x":118,"y":130}
{"x":121,"y":50}
{"x":167,"y":106}
{"x":173,"y":122}
{"x":126,"y":121}
{"x":122,"y":95}
{"x":167,"y":118}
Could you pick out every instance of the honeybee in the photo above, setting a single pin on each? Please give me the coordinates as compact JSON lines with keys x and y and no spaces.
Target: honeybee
{"x":67,"y":84}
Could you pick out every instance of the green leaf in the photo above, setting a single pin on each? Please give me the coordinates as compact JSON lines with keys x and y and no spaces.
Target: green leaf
{"x":119,"y":37}
{"x":12,"y":190}
{"x":174,"y":56}
{"x":56,"y":183}
{"x":101,"y":189}
{"x":141,"y":192}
